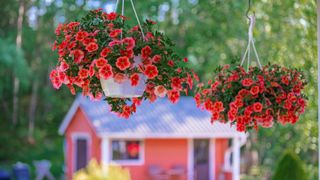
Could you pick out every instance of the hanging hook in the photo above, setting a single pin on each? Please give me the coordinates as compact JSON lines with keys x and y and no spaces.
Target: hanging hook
{"x":248,"y":10}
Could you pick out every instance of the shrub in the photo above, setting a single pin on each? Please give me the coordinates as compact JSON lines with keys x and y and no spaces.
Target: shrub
{"x":290,"y":167}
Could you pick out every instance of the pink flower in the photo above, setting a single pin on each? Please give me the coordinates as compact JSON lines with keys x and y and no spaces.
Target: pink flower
{"x":160,"y":91}
{"x":119,"y":78}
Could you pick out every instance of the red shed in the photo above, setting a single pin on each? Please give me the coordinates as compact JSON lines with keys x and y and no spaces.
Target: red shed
{"x":160,"y":136}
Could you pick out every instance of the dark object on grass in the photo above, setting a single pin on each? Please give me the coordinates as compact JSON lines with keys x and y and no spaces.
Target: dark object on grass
{"x":4,"y":175}
{"x":290,"y":167}
{"x":21,"y":171}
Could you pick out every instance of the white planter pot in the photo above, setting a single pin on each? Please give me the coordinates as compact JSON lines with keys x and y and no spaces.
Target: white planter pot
{"x":123,"y":89}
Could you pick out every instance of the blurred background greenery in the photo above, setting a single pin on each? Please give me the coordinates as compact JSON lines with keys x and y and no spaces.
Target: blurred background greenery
{"x":208,"y":32}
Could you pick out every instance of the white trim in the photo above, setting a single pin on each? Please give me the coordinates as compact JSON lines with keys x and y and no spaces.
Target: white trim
{"x":105,"y":151}
{"x":190,"y":160}
{"x":212,"y":158}
{"x":75,"y":136}
{"x":236,"y":159}
{"x":138,"y":162}
{"x":227,"y":166}
{"x":172,"y":136}
{"x":67,"y":119}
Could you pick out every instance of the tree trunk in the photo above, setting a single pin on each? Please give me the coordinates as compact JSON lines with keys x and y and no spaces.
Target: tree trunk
{"x":33,"y":107}
{"x":16,"y":80}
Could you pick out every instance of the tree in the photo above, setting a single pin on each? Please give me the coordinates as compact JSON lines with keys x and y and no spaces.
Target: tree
{"x":290,"y":167}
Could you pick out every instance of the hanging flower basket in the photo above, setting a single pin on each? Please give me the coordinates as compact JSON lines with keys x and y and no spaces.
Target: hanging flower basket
{"x":101,"y":53}
{"x":258,"y":96}
{"x":254,"y":98}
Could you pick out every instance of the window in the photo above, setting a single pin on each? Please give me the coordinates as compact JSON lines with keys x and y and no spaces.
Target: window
{"x":126,"y":151}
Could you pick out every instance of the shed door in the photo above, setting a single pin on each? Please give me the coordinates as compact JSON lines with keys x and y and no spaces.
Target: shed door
{"x":201,"y":159}
{"x":81,"y":153}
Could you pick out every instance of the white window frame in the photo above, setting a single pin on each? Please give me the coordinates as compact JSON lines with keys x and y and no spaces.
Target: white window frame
{"x":128,"y":162}
{"x":76,"y":136}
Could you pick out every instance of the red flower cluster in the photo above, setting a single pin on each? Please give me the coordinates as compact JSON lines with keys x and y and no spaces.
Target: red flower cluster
{"x":94,"y":49}
{"x":254,"y":98}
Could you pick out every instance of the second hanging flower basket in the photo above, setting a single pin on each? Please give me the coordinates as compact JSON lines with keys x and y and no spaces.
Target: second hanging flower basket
{"x":101,"y":53}
{"x":256,"y":96}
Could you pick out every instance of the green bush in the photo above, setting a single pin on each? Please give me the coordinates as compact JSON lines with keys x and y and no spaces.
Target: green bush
{"x":290,"y":167}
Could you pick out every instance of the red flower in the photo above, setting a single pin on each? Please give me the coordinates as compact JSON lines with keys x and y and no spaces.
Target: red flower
{"x":114,"y":42}
{"x":266,"y":122}
{"x":87,"y":41}
{"x":287,"y":104}
{"x":232,"y":114}
{"x":129,"y":53}
{"x":173,"y":96}
{"x":151,"y":71}
{"x":111,"y":16}
{"x":247,"y":82}
{"x":238,"y":103}
{"x":77,"y":55}
{"x":101,"y":62}
{"x":92,"y":47}
{"x":83,"y":73}
{"x":243,"y":92}
{"x":218,"y":106}
{"x":72,"y":25}
{"x":115,"y":33}
{"x":185,"y":59}
{"x":72,"y":45}
{"x":160,"y":91}
{"x":285,"y":80}
{"x":91,"y":69}
{"x":248,"y":111}
{"x":123,"y":63}
{"x":63,"y":66}
{"x":254,"y":90}
{"x":171,"y":63}
{"x":81,"y":35}
{"x":130,"y":42}
{"x":126,"y":112}
{"x":55,"y":80}
{"x":105,"y":52}
{"x":176,"y":83}
{"x":189,"y":81}
{"x":156,"y":59}
{"x":257,"y":107}
{"x":134,"y":79}
{"x":208,"y":105}
{"x":106,"y":72}
{"x":136,"y":101}
{"x":146,"y":52}
{"x":215,"y":116}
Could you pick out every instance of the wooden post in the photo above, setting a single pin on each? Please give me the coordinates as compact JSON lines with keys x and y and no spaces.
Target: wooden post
{"x":235,"y":159}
